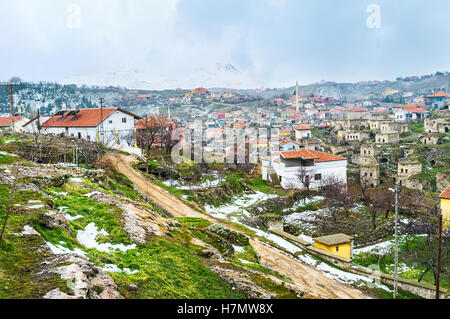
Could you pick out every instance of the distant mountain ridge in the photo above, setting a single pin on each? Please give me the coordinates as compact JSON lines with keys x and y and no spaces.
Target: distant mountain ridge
{"x":220,"y":75}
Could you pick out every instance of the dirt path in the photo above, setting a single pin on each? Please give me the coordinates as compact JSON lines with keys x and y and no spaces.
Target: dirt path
{"x":153,"y":192}
{"x":300,"y":274}
{"x":305,"y":275}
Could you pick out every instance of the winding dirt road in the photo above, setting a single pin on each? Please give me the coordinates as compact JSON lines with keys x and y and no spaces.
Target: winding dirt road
{"x":305,"y":276}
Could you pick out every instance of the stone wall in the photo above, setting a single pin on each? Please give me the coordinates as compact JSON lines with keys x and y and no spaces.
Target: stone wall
{"x":423,"y":290}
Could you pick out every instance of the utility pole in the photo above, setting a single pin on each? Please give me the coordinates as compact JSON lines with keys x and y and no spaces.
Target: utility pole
{"x":438,"y":267}
{"x":101,"y":119}
{"x":11,"y":103}
{"x":147,"y":141}
{"x":396,"y":242}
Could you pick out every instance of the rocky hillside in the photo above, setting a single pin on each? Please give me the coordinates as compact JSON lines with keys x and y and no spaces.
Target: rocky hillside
{"x":352,"y":91}
{"x":86,"y":232}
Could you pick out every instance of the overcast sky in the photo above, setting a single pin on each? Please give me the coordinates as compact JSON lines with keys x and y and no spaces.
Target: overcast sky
{"x":276,"y":41}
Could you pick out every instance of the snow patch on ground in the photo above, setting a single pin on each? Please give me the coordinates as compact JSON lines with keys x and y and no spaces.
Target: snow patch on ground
{"x":59,"y":250}
{"x":378,"y":249}
{"x":63,"y":211}
{"x":36,"y":206}
{"x":92,"y":194}
{"x":88,"y":238}
{"x":239,"y":204}
{"x":204,"y":185}
{"x":303,"y":203}
{"x":245,"y":261}
{"x":306,"y":219}
{"x":238,"y":249}
{"x":348,"y":278}
{"x":114,"y":268}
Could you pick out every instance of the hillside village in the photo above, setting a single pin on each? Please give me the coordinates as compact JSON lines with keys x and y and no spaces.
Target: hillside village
{"x":92,"y":196}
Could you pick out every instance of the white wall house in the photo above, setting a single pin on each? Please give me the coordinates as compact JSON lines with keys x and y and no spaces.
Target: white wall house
{"x":317,"y":167}
{"x":32,"y":125}
{"x":302,"y":132}
{"x":110,"y":126}
{"x":19,"y":122}
{"x":289,"y":145}
{"x":401,"y":115}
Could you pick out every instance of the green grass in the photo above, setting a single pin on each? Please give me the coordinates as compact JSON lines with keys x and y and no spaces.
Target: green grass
{"x":282,"y":292}
{"x":415,"y":244}
{"x":7,"y":159}
{"x":104,"y":216}
{"x":21,"y":257}
{"x":169,"y":270}
{"x":417,"y":128}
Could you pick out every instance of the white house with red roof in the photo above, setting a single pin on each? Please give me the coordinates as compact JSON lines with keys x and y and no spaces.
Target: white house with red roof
{"x":302,"y":131}
{"x":288,"y":145}
{"x":404,"y":114}
{"x":17,"y":123}
{"x":316,"y":168}
{"x":107,"y":125}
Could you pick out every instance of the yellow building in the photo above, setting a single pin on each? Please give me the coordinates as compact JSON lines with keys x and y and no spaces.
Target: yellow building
{"x":390,"y":92}
{"x":338,"y":244}
{"x":445,"y":207}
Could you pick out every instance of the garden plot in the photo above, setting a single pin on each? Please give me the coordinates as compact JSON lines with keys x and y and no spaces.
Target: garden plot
{"x":307,"y":220}
{"x":239,"y":205}
{"x":209,"y":183}
{"x":381,"y":249}
{"x":302,"y":203}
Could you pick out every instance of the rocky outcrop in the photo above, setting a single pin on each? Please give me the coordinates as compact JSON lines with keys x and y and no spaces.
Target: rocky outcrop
{"x":209,"y":251}
{"x":52,"y":219}
{"x":83,"y":278}
{"x":138,"y":222}
{"x":239,"y":281}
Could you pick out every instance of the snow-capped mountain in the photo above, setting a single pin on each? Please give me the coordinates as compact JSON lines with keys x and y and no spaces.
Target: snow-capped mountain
{"x":220,"y":75}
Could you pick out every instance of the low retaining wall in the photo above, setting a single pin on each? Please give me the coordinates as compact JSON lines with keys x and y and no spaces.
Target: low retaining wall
{"x":423,"y":290}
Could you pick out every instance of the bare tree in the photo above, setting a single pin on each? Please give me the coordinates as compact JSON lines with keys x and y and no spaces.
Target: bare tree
{"x":336,"y":195}
{"x":304,"y":177}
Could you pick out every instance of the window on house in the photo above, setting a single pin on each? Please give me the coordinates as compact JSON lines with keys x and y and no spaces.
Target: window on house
{"x":124,"y":119}
{"x":79,"y":135}
{"x":318,"y":177}
{"x":406,"y":171}
{"x":371,"y":174}
{"x":337,"y":248}
{"x":401,"y":170}
{"x":110,"y":122}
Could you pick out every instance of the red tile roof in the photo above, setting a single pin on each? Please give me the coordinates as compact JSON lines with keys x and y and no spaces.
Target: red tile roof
{"x":302,"y":128}
{"x":288,"y":141}
{"x":309,"y":154}
{"x":415,"y":110}
{"x":438,"y":94}
{"x":446,"y":193}
{"x":81,"y":118}
{"x":357,"y":109}
{"x":153,"y":121}
{"x":6,"y":121}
